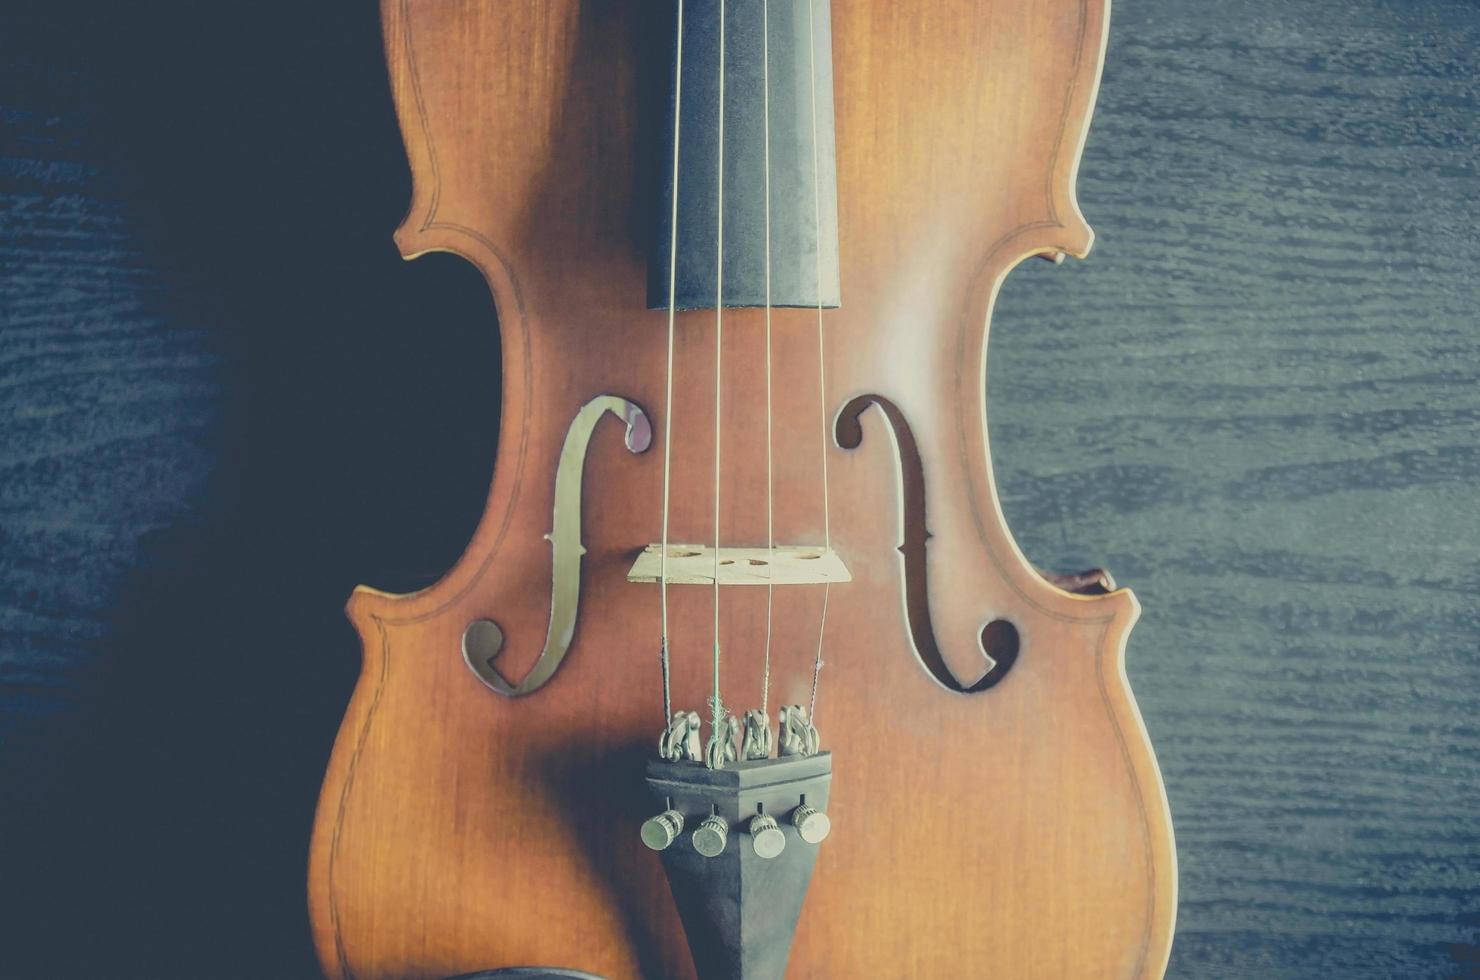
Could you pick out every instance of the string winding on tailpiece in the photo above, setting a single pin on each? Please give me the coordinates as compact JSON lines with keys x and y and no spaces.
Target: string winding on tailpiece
{"x":757,"y":743}
{"x":724,"y":731}
{"x":797,"y":734}
{"x":680,"y":741}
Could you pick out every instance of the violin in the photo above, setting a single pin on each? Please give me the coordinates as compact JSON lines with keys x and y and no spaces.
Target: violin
{"x":742,"y":674}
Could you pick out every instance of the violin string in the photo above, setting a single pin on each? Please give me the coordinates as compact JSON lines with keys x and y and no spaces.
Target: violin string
{"x":821,"y":362}
{"x":770,"y":455}
{"x":668,"y":376}
{"x":719,"y":344}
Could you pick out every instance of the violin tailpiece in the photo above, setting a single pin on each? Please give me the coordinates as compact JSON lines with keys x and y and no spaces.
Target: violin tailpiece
{"x":738,"y":846}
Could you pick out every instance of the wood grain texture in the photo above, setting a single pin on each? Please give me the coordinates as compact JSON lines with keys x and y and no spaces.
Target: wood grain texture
{"x":1281,"y":463}
{"x":1296,"y":400}
{"x":442,"y":802}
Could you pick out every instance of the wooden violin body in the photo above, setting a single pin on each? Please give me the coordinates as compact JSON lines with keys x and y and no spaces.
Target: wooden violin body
{"x":1018,"y":831}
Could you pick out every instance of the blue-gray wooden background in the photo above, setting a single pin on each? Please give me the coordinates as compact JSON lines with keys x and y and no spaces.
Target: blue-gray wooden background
{"x":1256,"y":403}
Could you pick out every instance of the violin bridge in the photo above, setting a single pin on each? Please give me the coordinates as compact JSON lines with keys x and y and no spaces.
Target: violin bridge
{"x":693,"y":564}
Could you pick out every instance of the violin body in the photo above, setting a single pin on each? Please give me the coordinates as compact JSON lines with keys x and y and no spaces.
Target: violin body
{"x":1019,"y":830}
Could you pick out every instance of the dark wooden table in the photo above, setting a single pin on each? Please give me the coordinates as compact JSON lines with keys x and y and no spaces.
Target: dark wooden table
{"x":198,"y":296}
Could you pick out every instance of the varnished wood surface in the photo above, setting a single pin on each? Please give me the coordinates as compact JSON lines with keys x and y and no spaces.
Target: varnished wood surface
{"x":1280,"y":465}
{"x":442,"y":803}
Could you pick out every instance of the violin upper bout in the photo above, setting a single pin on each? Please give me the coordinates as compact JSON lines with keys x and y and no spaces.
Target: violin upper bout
{"x":451,"y":208}
{"x":485,"y":195}
{"x":1056,"y":226}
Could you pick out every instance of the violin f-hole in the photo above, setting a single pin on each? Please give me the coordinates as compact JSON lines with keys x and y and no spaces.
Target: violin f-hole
{"x":999,"y":639}
{"x":483,"y":640}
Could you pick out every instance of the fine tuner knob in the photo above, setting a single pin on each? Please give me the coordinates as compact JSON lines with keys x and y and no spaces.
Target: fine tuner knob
{"x":660,"y":831}
{"x":811,"y":823}
{"x":710,"y":838}
{"x":766,"y":836}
